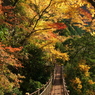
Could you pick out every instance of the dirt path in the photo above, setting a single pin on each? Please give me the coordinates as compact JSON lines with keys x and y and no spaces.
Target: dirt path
{"x":57,"y":88}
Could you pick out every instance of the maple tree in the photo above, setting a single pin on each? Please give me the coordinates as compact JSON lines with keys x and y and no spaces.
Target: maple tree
{"x":9,"y":65}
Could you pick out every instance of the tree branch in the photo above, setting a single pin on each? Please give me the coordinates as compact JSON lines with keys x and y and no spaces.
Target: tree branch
{"x":15,"y":2}
{"x":33,"y":30}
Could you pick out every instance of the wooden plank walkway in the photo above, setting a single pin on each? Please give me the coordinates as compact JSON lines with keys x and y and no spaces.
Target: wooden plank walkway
{"x":57,"y":88}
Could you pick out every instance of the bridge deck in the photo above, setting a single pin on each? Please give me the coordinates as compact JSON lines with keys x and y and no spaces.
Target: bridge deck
{"x":57,"y":88}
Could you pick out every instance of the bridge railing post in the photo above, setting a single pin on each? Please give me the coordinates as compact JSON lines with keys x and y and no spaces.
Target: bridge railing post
{"x":38,"y":91}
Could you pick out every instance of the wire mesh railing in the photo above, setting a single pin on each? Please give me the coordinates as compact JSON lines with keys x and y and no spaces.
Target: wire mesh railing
{"x":65,"y":91}
{"x":44,"y":90}
{"x":48,"y":88}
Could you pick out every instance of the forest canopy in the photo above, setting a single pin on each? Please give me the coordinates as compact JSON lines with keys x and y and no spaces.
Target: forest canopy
{"x":35,"y":35}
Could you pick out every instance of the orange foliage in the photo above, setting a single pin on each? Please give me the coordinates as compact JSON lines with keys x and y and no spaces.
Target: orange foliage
{"x":8,"y":57}
{"x":1,"y":9}
{"x":86,"y":13}
{"x":10,"y":18}
{"x":7,"y":8}
{"x":58,"y":26}
{"x":13,"y":49}
{"x":50,"y":35}
{"x":10,"y":49}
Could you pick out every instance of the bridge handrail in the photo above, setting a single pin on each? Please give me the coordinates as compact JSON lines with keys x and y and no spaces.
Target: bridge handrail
{"x":65,"y":91}
{"x":45,"y":88}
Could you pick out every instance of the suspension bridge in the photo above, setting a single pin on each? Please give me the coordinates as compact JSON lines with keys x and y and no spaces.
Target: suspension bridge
{"x":55,"y":86}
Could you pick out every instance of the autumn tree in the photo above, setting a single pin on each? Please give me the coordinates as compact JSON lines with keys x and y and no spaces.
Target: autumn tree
{"x":35,"y":70}
{"x":22,"y":22}
{"x":9,"y":73}
{"x":81,"y":63}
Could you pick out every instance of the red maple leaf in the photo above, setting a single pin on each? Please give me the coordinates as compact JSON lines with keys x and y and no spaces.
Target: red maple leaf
{"x":58,"y":26}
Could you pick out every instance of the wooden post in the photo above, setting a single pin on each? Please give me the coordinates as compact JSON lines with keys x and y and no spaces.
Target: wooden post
{"x":38,"y":91}
{"x":43,"y":87}
{"x":68,"y":92}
